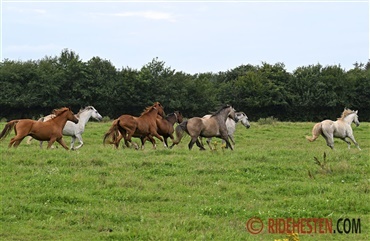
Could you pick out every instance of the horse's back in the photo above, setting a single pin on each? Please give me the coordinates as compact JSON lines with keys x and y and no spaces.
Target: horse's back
{"x":205,"y":127}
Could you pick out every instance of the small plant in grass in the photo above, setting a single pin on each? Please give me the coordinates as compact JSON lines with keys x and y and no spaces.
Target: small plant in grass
{"x":324,"y":168}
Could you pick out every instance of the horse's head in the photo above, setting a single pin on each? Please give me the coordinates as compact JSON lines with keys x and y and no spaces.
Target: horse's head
{"x":350,"y":116}
{"x":159,"y":108}
{"x":243,"y":118}
{"x":179,"y":116}
{"x":95,"y":114}
{"x":355,"y":119}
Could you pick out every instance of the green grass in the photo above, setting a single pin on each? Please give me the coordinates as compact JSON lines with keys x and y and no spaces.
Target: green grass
{"x":99,"y":193}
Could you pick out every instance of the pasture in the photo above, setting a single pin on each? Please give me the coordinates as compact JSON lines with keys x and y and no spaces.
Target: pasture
{"x":100,"y":193}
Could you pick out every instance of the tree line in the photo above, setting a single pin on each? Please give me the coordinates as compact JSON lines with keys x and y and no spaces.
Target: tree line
{"x":30,"y":89}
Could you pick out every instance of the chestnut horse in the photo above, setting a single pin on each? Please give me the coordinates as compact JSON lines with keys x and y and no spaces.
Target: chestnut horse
{"x":50,"y":131}
{"x":165,"y":126}
{"x":128,"y":126}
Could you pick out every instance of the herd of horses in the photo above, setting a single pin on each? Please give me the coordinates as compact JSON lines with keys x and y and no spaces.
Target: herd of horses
{"x":154,"y":123}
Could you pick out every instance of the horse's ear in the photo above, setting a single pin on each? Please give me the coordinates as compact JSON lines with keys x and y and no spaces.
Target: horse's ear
{"x":356,"y":111}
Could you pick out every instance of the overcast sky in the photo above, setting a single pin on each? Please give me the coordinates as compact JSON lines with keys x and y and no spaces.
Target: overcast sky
{"x":190,"y":36}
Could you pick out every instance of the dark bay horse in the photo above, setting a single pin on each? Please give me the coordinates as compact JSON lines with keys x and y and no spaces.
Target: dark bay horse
{"x":128,"y":126}
{"x":50,"y":131}
{"x":215,"y":126}
{"x":165,"y":126}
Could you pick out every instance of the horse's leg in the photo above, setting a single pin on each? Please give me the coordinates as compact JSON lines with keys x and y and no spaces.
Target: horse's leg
{"x":348,"y":142}
{"x":179,"y":133}
{"x":354,"y":141}
{"x":329,"y":140}
{"x":192,"y":141}
{"x":209,"y":143}
{"x":165,"y":137}
{"x":61,"y":141}
{"x":15,"y":141}
{"x":200,"y":145}
{"x":29,"y":139}
{"x":128,"y":139}
{"x":226,"y":139}
{"x":51,"y":141}
{"x":73,"y":139}
{"x":118,"y":140}
{"x":40,"y":143}
{"x":79,"y":137}
{"x":231,"y":136}
{"x":152,"y":141}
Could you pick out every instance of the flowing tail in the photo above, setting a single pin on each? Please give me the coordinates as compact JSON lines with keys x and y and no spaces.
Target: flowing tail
{"x":179,"y":132}
{"x":8,"y":128}
{"x":316,"y":132}
{"x":112,"y":133}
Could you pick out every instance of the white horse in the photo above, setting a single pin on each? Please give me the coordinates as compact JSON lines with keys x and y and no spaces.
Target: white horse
{"x":231,"y":125}
{"x":340,"y":129}
{"x":75,"y":130}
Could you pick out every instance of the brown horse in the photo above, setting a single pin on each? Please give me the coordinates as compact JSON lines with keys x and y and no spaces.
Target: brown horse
{"x":43,"y":131}
{"x":165,"y":126}
{"x":128,"y":126}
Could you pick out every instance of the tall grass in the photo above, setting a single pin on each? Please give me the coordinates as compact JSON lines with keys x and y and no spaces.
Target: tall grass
{"x":99,"y":193}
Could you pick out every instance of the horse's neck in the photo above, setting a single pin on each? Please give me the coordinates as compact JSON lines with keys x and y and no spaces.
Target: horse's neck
{"x":171,"y":118}
{"x":150,"y":113}
{"x":348,"y":119}
{"x":84,"y":118}
{"x":60,"y":120}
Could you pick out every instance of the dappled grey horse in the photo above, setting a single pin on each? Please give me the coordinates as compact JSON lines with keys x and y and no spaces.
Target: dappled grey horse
{"x":231,"y":126}
{"x":215,"y":126}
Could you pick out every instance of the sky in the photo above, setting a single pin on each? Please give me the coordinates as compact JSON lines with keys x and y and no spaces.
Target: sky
{"x":189,"y":36}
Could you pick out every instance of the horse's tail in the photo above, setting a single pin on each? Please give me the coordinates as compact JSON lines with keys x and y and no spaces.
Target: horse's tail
{"x":8,"y":128}
{"x":316,"y":132}
{"x":180,"y":132}
{"x":112,"y":133}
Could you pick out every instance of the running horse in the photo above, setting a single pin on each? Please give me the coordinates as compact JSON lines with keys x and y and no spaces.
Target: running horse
{"x":215,"y":126}
{"x":231,"y":126}
{"x":50,"y":131}
{"x":165,"y":126}
{"x":128,"y":126}
{"x":72,"y":129}
{"x":340,"y":129}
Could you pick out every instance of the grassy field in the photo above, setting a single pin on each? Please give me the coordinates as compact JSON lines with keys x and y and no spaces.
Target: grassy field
{"x":99,"y":193}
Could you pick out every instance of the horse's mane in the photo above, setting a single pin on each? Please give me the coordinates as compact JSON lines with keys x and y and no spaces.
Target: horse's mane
{"x":84,"y":109}
{"x":346,"y":113}
{"x":149,"y":108}
{"x":58,"y":112}
{"x":219,"y":110}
